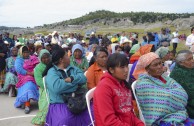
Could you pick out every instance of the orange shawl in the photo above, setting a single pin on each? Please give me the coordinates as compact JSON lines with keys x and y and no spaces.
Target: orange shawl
{"x":143,"y":50}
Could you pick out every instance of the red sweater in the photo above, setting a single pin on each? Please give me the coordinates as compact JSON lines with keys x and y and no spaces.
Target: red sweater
{"x":113,"y":104}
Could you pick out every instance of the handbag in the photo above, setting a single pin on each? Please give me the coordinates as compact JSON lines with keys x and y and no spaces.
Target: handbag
{"x":76,"y":101}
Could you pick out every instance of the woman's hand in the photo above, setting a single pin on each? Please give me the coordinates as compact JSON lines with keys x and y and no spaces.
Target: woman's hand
{"x":68,"y":80}
{"x":2,"y":54}
{"x":30,"y":73}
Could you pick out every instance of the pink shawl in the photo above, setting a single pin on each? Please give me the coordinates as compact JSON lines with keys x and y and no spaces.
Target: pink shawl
{"x":29,"y":66}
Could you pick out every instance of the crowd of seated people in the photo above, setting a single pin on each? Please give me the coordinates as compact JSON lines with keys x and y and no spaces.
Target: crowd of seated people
{"x":67,"y":62}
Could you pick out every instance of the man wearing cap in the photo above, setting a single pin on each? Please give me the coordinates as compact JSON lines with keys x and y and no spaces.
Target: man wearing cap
{"x":56,"y":39}
{"x":164,"y":37}
{"x":9,"y":40}
{"x":93,"y":39}
{"x":126,"y":46}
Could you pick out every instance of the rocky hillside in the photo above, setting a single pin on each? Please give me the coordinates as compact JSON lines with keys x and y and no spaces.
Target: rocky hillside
{"x":102,"y":19}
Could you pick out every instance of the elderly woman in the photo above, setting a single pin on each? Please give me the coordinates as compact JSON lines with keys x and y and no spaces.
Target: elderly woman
{"x":11,"y":76}
{"x":78,"y":59}
{"x":44,"y":58}
{"x":112,"y":96}
{"x":63,"y":79}
{"x":183,"y":73}
{"x":27,"y":88}
{"x":95,"y":71}
{"x":162,"y":100}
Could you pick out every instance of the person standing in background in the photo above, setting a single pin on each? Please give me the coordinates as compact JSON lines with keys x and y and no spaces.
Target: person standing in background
{"x":175,"y":40}
{"x":15,"y":39}
{"x":21,"y":39}
{"x":190,"y":38}
{"x":164,"y":37}
{"x":9,"y":40}
{"x":122,"y":37}
{"x":93,"y":39}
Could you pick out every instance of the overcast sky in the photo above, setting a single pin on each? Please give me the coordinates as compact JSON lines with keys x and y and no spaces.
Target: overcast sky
{"x":23,"y":13}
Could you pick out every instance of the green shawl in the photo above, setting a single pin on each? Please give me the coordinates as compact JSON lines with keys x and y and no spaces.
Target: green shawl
{"x":185,"y":77}
{"x":84,"y":63}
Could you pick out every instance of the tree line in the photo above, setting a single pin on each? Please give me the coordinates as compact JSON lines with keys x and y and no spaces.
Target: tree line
{"x":136,"y":17}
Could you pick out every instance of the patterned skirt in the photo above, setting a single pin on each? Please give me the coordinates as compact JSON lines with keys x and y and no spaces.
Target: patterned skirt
{"x":10,"y":79}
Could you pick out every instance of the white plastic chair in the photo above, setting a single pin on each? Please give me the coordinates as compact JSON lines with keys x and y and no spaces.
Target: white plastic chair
{"x":133,"y":86}
{"x":129,"y":66}
{"x":85,"y":73}
{"x":167,"y":64}
{"x":45,"y":88}
{"x":89,"y":96}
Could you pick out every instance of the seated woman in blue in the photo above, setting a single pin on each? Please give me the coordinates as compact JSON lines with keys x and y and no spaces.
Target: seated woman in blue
{"x":59,"y":83}
{"x":27,"y":88}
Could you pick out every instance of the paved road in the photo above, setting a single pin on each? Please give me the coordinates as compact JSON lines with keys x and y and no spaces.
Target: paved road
{"x":11,"y":116}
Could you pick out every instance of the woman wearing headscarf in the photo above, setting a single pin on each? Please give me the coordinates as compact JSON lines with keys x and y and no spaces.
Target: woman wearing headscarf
{"x":134,"y":58}
{"x":163,"y":53}
{"x":183,"y":73}
{"x":44,"y":57}
{"x":134,"y":49}
{"x":11,"y":76}
{"x":27,"y":88}
{"x":78,"y":58}
{"x":162,"y":100}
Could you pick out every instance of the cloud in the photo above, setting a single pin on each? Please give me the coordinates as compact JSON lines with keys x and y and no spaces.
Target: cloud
{"x":31,"y":13}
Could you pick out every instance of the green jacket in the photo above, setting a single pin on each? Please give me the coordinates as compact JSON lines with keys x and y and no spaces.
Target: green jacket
{"x":39,"y":69}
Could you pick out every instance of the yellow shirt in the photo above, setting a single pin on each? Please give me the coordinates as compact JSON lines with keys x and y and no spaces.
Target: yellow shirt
{"x":114,"y":39}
